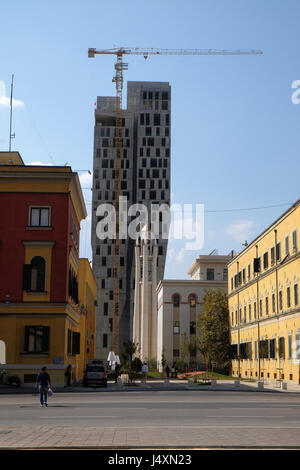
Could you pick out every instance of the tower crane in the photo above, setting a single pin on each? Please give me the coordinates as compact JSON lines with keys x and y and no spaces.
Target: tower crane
{"x":120,"y":66}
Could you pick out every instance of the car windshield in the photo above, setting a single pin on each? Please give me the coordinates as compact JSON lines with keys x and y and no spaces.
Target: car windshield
{"x":94,"y":369}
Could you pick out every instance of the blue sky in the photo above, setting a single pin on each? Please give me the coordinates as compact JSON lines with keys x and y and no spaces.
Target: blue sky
{"x":235,"y":130}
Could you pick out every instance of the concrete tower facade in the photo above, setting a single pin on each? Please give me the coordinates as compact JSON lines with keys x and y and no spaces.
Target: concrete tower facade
{"x":145,"y":299}
{"x":145,"y":179}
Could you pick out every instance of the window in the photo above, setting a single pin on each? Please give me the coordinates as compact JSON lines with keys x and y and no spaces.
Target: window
{"x":264,"y":349}
{"x":75,"y":343}
{"x":176,"y":327}
{"x":105,"y":308}
{"x":34,"y":275}
{"x":192,"y":328}
{"x":267,"y":305}
{"x":250,"y":313}
{"x":244,"y":275}
{"x":294,"y":235}
{"x":176,"y":300}
{"x":288,"y":297}
{"x":104,"y":343}
{"x":256,"y":265}
{"x":297,"y":345}
{"x":192,"y":300}
{"x":272,"y":349}
{"x":39,"y":217}
{"x":148,"y":131}
{"x":260,"y":308}
{"x":156,"y":119}
{"x":210,"y":274}
{"x":36,"y":339}
{"x":266,"y":260}
{"x":273,"y":303}
{"x":296,"y":298}
{"x":249,"y":272}
{"x":254,"y":309}
{"x":287,"y":245}
{"x":280,"y":300}
{"x":278,"y":251}
{"x":176,"y":352}
{"x":272,"y":255}
{"x":290,"y":346}
{"x":73,"y":286}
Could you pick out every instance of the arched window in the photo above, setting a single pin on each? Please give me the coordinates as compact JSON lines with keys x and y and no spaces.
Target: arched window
{"x":38,"y":270}
{"x":192,"y":300}
{"x":176,"y":300}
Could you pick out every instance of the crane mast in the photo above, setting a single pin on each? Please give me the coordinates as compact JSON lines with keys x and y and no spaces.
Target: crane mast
{"x":120,"y":66}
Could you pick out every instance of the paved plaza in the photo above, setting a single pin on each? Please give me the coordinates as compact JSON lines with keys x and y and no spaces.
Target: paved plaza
{"x":153,"y":418}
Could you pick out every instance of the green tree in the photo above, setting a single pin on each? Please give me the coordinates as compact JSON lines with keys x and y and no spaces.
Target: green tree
{"x":188,"y":348}
{"x":129,"y":364}
{"x":213,"y":327}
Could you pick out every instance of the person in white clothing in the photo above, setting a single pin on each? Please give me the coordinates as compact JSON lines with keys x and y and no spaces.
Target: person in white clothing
{"x":144,"y":371}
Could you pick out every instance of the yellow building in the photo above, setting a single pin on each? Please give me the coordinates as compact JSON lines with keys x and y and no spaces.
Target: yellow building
{"x":264,"y":310}
{"x":47,"y":294}
{"x":88,"y":307}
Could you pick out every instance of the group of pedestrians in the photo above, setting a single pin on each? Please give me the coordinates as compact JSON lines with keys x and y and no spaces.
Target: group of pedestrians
{"x":43,"y":383}
{"x":173,"y":371}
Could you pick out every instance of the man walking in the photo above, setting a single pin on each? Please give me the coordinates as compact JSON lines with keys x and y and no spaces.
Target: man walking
{"x":68,"y":375}
{"x":43,"y":383}
{"x":145,"y":372}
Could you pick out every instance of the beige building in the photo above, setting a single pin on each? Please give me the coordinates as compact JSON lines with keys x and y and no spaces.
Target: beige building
{"x":181,"y":301}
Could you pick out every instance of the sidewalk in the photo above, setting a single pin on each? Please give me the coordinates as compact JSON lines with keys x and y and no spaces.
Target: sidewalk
{"x":160,"y":385}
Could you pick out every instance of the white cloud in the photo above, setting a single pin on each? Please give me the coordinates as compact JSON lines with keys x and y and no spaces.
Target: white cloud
{"x":86,"y":179}
{"x":180,"y":257}
{"x":241,"y":230}
{"x":5,"y":100}
{"x":170,"y":253}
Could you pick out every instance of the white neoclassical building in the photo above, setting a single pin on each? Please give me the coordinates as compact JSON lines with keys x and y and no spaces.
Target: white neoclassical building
{"x":165,"y":315}
{"x":179,"y":302}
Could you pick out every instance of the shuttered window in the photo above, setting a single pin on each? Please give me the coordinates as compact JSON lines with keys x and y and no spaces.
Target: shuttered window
{"x":75,"y":343}
{"x":34,"y":275}
{"x":36,"y":339}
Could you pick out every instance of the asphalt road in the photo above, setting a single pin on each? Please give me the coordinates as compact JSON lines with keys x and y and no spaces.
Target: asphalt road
{"x":187,"y":418}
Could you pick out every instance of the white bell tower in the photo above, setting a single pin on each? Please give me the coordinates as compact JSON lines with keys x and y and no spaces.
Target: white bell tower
{"x":145,"y":298}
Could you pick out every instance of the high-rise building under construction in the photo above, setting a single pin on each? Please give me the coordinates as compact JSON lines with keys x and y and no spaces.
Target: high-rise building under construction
{"x":145,"y":179}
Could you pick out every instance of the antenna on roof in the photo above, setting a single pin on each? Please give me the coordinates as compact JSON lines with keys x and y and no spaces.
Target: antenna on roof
{"x":11,"y":136}
{"x":214,"y":253}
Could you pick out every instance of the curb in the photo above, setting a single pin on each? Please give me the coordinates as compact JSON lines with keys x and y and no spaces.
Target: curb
{"x":149,"y":388}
